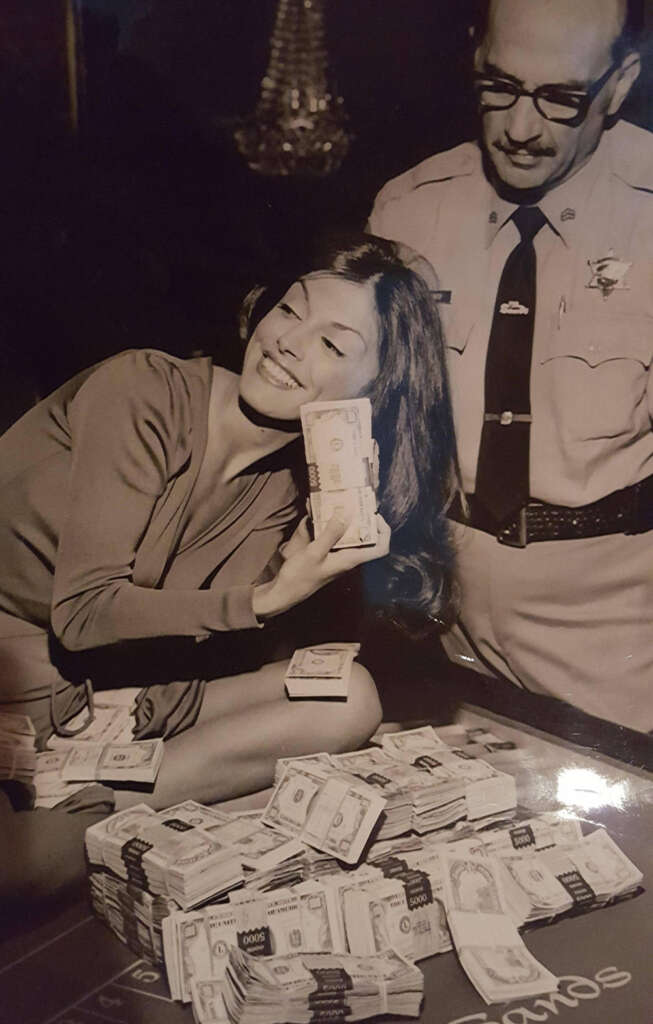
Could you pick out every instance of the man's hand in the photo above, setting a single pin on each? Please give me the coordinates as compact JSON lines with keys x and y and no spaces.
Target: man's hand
{"x":310,"y":564}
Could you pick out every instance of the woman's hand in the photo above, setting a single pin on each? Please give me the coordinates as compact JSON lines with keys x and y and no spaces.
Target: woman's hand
{"x":310,"y":564}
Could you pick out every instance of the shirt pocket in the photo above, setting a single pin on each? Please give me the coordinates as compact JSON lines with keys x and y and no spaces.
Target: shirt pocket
{"x":599,"y":374}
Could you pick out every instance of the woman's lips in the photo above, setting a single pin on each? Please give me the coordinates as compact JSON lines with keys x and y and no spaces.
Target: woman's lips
{"x":275,"y":374}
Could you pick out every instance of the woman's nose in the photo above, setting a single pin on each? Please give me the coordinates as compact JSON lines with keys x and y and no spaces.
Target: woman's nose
{"x":293,"y":341}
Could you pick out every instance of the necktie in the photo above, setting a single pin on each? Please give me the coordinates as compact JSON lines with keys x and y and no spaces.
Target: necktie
{"x":502,"y":476}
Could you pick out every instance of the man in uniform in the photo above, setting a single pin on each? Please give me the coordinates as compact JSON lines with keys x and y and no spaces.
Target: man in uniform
{"x":542,"y":239}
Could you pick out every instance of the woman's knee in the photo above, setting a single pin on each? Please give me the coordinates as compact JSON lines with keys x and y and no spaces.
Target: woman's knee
{"x":361,"y":714}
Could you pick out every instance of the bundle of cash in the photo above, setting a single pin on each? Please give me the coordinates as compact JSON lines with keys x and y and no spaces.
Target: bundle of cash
{"x":488,"y":944}
{"x":138,"y":761}
{"x":330,"y":810}
{"x":594,"y":871}
{"x":196,"y":943}
{"x":17,"y":747}
{"x":338,"y":444}
{"x":320,"y":986}
{"x":133,"y":914}
{"x":163,"y":855}
{"x":321,"y":671}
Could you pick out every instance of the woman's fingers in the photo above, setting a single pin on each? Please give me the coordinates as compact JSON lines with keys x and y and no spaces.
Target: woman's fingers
{"x":333,"y":531}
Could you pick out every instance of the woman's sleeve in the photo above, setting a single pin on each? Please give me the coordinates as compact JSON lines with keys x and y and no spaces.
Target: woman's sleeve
{"x":130,"y":434}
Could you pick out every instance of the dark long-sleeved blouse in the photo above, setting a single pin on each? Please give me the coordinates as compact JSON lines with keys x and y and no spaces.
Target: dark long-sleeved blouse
{"x":95,"y":484}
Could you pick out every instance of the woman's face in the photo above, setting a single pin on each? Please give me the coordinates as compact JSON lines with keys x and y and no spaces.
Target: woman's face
{"x":319,"y":343}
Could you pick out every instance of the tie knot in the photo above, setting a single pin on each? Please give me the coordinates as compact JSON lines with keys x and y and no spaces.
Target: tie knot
{"x":528,"y":220}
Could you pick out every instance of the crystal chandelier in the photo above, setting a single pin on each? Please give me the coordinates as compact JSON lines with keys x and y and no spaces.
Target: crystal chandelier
{"x":298,"y":126}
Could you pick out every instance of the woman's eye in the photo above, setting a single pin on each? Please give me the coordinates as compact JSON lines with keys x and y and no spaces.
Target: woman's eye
{"x":285,"y":308}
{"x":332,"y":348}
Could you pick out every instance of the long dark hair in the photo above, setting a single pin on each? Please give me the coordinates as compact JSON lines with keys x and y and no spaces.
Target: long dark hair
{"x":412,"y":422}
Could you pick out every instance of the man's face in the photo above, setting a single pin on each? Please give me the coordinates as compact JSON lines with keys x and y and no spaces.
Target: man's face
{"x":566,"y":43}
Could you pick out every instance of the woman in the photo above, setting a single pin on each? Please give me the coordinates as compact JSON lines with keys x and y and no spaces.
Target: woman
{"x":149,"y":498}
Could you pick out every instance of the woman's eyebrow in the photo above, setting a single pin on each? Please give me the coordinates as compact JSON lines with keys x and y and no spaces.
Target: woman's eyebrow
{"x":346,"y":327}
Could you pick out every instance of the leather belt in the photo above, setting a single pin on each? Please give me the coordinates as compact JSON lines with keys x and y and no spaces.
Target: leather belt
{"x":629,"y":511}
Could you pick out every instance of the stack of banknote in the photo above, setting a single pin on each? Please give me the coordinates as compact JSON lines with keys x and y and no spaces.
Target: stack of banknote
{"x":339,"y":455}
{"x":320,"y":987}
{"x":17,"y":747}
{"x":487,"y":942}
{"x":134,"y":914}
{"x":111,"y":723}
{"x":137,"y":761}
{"x":321,"y":671}
{"x":331,"y":810}
{"x":164,"y":855}
{"x":196,"y":943}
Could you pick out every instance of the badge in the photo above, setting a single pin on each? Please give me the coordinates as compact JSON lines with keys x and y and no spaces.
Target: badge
{"x":513,"y":308}
{"x":608,"y":273}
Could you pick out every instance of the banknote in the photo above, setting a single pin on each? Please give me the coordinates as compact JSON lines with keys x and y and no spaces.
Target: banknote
{"x":207,"y":996}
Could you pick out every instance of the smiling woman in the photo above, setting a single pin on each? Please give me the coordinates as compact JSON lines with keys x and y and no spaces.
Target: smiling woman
{"x":149,"y":500}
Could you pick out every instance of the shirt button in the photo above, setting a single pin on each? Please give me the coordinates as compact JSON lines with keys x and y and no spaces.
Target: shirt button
{"x":505,"y":419}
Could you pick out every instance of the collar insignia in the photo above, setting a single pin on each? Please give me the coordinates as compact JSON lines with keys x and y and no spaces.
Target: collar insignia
{"x":568,"y":214}
{"x":608,"y":273}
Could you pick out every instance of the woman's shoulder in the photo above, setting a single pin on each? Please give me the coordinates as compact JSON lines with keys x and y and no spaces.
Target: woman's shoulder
{"x":149,"y":366}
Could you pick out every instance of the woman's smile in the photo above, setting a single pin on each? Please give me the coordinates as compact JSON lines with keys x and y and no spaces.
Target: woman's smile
{"x":274,"y":373}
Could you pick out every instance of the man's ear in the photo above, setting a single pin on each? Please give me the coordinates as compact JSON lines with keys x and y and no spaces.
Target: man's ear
{"x":628,"y":75}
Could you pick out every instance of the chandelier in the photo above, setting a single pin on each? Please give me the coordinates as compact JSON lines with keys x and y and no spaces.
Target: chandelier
{"x":298,"y":126}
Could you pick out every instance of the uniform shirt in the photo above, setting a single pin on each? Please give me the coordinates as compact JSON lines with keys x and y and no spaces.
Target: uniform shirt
{"x":591,"y":381}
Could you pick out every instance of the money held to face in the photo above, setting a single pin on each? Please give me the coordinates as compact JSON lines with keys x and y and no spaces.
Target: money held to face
{"x":339,"y":456}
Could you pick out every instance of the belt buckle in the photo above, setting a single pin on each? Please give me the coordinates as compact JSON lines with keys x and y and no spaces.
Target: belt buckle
{"x":515,"y":533}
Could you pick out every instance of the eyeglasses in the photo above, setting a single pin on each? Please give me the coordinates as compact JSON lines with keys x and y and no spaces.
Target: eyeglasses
{"x":553,"y":102}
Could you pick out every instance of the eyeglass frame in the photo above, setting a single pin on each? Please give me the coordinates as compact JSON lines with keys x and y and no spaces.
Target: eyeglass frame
{"x":585,"y":98}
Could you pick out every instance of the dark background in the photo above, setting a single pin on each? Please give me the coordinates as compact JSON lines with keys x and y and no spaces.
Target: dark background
{"x":146,"y":227}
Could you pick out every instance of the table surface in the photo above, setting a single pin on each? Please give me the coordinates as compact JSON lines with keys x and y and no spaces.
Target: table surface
{"x":73,"y":970}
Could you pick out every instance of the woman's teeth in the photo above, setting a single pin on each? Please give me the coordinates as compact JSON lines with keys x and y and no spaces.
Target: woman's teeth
{"x":277,"y":375}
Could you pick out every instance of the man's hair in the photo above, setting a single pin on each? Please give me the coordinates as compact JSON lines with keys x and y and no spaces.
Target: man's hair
{"x":629,"y":38}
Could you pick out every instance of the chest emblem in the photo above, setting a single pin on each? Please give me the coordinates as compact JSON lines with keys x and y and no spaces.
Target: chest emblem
{"x":608,"y":273}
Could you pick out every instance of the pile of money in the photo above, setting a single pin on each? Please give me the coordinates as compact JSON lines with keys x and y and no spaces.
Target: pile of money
{"x":339,"y":455}
{"x":325,"y":808}
{"x":17,"y":748}
{"x":164,"y":855}
{"x":321,"y":671}
{"x":320,"y":986}
{"x":487,"y":942}
{"x":349,"y":861}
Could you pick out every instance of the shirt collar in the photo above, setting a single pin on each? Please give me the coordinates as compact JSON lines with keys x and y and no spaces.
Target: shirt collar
{"x":562,"y":206}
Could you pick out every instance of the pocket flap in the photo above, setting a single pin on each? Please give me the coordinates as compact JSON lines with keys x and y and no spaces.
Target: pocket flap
{"x":596,"y":339}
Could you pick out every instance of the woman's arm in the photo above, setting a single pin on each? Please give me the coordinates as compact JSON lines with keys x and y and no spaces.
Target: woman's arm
{"x":131,"y":433}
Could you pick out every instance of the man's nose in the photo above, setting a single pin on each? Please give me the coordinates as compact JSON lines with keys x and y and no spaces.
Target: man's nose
{"x":524,"y":121}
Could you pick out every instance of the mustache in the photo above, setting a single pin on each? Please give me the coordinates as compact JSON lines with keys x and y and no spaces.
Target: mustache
{"x":512,"y":149}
